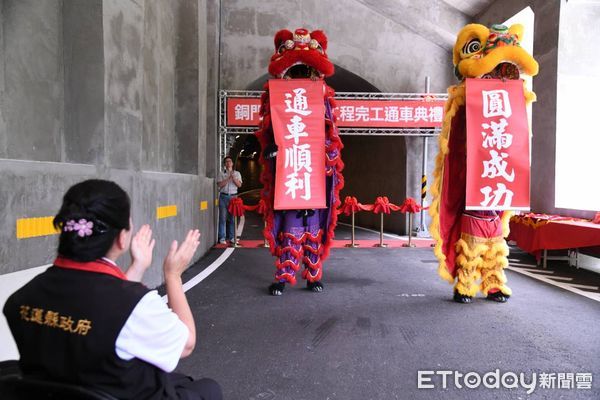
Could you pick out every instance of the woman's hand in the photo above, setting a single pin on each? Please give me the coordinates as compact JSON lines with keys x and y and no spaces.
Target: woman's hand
{"x":141,"y":249}
{"x":178,"y":258}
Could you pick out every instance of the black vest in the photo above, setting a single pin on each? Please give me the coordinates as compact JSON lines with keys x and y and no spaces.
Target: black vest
{"x":66,"y":322}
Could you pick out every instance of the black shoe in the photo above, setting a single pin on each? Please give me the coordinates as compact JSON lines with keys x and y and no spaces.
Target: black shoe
{"x":276,"y":289}
{"x":314,"y":286}
{"x":498,"y":297}
{"x":461,"y":298}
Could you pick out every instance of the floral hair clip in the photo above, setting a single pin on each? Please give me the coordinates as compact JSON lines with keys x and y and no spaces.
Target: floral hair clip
{"x":83,"y":227}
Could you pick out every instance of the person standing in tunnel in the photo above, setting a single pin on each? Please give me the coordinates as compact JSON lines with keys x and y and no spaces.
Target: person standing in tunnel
{"x":228,"y":181}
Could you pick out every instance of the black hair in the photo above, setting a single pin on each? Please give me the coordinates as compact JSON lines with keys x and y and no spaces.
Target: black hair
{"x":106,"y":205}
{"x":227,"y":157}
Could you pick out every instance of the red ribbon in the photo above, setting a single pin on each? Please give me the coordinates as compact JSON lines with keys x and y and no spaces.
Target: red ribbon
{"x":261,"y":208}
{"x":351,"y":205}
{"x":383,"y":205}
{"x":236,"y":207}
{"x":410,"y":205}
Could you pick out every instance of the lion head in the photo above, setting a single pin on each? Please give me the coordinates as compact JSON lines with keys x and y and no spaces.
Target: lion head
{"x":301,"y":54}
{"x":480,"y":52}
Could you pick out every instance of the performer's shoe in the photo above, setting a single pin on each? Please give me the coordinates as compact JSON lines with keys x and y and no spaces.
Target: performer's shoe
{"x":498,"y":297}
{"x":276,"y":289}
{"x":461,"y":298}
{"x":314,"y":286}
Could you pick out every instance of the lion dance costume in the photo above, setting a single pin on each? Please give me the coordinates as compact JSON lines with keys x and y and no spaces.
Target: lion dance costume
{"x":300,"y":236}
{"x":470,"y":245}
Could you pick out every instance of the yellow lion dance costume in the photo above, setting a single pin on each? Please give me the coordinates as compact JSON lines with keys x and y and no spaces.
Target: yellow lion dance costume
{"x":470,"y":245}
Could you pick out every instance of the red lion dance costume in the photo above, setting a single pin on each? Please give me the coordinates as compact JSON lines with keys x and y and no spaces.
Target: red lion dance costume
{"x":470,"y":245}
{"x":300,"y":236}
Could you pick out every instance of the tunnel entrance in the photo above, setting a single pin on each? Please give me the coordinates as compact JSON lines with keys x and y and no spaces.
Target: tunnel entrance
{"x":376,"y":158}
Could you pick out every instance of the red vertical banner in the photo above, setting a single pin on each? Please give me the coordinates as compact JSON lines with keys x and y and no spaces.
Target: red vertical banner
{"x":497,"y":145}
{"x":298,"y":117}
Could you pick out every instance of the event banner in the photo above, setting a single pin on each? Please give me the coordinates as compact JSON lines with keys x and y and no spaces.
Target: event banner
{"x":354,"y":113}
{"x":389,"y":113}
{"x":497,"y":145}
{"x":298,"y":117}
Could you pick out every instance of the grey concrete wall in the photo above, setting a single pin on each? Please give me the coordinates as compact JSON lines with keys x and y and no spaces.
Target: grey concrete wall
{"x":392,"y":44}
{"x":84,"y":98}
{"x":388,"y":49}
{"x":33,"y":80}
{"x":209,"y":52}
{"x":187,"y":88}
{"x":109,"y":89}
{"x":543,"y":124}
{"x":3,"y":133}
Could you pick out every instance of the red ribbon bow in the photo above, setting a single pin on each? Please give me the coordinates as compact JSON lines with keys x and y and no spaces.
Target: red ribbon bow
{"x":410,"y":205}
{"x":383,"y":205}
{"x":236,"y":207}
{"x":351,"y":205}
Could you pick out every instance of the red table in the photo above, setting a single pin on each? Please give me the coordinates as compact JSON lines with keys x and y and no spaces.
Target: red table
{"x":538,"y":233}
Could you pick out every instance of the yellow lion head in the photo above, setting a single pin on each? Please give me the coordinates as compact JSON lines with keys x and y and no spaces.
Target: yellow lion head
{"x":480,"y":52}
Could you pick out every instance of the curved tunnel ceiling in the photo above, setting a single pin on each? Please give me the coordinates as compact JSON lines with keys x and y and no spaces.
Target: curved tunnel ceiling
{"x":341,"y":81}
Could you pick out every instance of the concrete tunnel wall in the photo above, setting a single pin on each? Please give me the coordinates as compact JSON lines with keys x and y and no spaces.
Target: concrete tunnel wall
{"x":407,"y":45}
{"x":110,"y":89}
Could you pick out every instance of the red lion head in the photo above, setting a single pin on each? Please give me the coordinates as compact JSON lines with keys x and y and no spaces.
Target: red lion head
{"x":300,"y":55}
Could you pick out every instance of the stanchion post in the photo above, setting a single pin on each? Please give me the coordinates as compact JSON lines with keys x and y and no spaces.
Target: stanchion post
{"x":352,"y":244}
{"x":235,"y":236}
{"x":381,"y":244}
{"x":410,"y":224}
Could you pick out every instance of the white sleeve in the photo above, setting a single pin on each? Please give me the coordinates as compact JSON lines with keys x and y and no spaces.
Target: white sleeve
{"x":153,"y":333}
{"x":239,"y":176}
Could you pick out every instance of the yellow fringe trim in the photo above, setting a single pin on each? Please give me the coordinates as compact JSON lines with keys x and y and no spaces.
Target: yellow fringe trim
{"x":444,"y":274}
{"x":462,"y":246}
{"x":467,"y":291}
{"x":499,"y":275}
{"x":456,"y":98}
{"x":505,"y":219}
{"x":495,"y":263}
{"x":468,"y":263}
{"x":497,"y":250}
